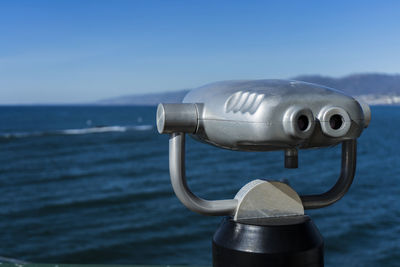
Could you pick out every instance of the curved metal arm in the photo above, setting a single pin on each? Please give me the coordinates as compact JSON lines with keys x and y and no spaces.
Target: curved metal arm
{"x":348,"y":169}
{"x":228,"y":207}
{"x":178,"y":180}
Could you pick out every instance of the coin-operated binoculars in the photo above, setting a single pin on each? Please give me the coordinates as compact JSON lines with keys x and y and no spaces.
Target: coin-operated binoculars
{"x":265,"y":224}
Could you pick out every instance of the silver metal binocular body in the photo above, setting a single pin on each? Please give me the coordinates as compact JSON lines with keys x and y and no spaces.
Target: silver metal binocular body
{"x":265,"y":115}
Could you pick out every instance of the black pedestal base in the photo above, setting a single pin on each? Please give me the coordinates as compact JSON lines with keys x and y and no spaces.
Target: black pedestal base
{"x":286,"y":241}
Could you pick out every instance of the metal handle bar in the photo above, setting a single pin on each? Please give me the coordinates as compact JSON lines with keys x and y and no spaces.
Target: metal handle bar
{"x":182,"y":191}
{"x":347,"y":172}
{"x":228,"y":206}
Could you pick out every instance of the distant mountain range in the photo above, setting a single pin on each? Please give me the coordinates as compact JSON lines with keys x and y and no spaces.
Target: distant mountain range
{"x":375,"y":89}
{"x":146,"y":99}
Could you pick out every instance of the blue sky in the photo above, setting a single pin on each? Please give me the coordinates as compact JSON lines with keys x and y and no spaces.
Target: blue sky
{"x":80,"y":51}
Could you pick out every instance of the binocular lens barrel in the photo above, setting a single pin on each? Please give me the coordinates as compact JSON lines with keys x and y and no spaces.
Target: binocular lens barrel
{"x":336,"y":121}
{"x":303,"y":123}
{"x":177,"y":118}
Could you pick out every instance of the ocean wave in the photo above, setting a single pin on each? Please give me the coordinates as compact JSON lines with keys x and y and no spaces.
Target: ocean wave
{"x":80,"y":131}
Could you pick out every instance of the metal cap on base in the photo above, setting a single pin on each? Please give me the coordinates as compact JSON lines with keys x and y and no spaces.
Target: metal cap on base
{"x":291,"y":241}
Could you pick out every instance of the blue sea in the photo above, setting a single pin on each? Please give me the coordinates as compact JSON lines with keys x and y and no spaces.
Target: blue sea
{"x":90,"y":184}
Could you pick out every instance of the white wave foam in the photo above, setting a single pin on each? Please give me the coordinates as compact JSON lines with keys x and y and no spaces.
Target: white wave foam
{"x":104,"y":129}
{"x":141,"y":127}
{"x":81,"y":131}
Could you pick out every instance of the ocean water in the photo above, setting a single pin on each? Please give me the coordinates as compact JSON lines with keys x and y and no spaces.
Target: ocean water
{"x":91,"y":185}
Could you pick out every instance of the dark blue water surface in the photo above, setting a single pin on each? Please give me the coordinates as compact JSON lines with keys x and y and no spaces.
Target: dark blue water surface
{"x":73,"y":192}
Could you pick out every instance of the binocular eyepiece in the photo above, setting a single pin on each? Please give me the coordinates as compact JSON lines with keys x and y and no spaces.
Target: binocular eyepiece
{"x":265,"y":115}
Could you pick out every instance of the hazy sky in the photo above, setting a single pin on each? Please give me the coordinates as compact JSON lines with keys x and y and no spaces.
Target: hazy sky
{"x":78,"y":51}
